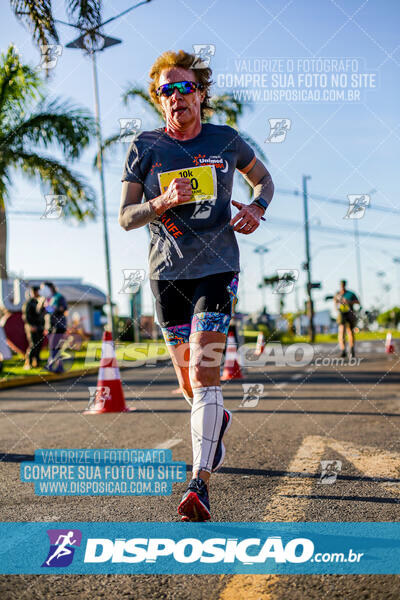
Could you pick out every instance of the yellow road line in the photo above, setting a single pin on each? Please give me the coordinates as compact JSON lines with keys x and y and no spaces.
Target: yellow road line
{"x":250,"y":587}
{"x":371,"y":461}
{"x":281,"y":508}
{"x":306,"y":460}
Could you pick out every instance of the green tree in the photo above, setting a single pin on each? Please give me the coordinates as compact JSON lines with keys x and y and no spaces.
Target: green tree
{"x":225,"y":109}
{"x":390,"y":318}
{"x":29,"y":125}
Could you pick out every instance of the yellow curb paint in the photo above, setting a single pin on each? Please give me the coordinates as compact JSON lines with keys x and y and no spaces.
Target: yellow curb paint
{"x":36,"y":379}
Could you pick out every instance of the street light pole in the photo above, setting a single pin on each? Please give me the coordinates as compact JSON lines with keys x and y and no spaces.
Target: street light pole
{"x":103,"y":193}
{"x":396,"y":261}
{"x":91,"y":41}
{"x":358,"y":259}
{"x":310,"y":307}
{"x":261,"y":250}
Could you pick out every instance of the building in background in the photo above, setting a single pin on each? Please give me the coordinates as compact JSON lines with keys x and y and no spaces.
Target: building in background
{"x":84,"y":300}
{"x":323,"y":322}
{"x":85,"y":305}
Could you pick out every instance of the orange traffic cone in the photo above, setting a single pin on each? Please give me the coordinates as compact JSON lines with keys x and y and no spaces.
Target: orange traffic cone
{"x":231,"y":368}
{"x":108,"y":395}
{"x":389,"y":346}
{"x":260,"y":344}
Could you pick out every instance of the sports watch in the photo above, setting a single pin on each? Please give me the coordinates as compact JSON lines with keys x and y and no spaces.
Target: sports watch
{"x":261,"y":203}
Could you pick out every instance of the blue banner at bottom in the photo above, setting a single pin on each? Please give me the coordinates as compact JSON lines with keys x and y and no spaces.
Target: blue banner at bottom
{"x":200,"y":548}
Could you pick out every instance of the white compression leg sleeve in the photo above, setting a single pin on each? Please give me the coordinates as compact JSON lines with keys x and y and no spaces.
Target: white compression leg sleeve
{"x":206,"y":422}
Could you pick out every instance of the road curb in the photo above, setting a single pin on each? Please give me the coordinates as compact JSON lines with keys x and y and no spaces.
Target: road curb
{"x":36,"y":379}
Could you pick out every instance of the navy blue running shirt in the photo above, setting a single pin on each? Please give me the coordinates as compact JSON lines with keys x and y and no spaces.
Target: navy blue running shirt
{"x":195,"y":239}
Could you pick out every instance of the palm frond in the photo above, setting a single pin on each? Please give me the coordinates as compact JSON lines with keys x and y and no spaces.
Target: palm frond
{"x":5,"y":184}
{"x":227,"y":109}
{"x":135,"y":91}
{"x":245,"y":185}
{"x":55,"y":122}
{"x":84,"y":13}
{"x":38,"y":18}
{"x":60,"y":180}
{"x":259,"y":151}
{"x":19,"y":83}
{"x":107,"y":145}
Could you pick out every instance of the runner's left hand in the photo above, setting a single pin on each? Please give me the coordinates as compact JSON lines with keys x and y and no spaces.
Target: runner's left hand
{"x":247,"y":219}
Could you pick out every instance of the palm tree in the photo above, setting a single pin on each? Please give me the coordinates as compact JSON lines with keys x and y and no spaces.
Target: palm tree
{"x":278,"y":283}
{"x":225,"y":109}
{"x":37,"y":15}
{"x":28,"y":124}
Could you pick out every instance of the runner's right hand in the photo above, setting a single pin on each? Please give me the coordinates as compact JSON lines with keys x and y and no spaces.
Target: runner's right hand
{"x":179,"y":191}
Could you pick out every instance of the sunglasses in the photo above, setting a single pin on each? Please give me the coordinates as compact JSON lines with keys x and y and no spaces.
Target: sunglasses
{"x":183,"y":87}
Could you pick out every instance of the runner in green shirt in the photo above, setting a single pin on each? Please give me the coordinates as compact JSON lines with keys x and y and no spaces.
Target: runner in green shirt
{"x":344,"y":301}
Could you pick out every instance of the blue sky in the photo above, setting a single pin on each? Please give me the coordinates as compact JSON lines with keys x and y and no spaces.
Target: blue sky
{"x":347,"y":147}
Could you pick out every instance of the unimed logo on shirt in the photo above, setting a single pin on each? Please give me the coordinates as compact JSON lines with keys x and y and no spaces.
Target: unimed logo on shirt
{"x":217,"y":161}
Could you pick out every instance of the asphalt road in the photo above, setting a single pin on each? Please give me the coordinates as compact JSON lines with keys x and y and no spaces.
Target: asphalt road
{"x":272,"y":470}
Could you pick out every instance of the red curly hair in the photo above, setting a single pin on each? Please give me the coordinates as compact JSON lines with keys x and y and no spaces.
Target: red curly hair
{"x":184,"y":60}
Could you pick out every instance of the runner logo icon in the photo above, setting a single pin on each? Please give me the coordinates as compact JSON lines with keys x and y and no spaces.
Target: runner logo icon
{"x":278,"y":129}
{"x":62,"y":542}
{"x":203,"y":54}
{"x":357,"y":205}
{"x":329,"y":471}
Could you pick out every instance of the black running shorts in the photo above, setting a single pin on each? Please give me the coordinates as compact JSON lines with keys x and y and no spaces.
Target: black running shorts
{"x":178,"y":301}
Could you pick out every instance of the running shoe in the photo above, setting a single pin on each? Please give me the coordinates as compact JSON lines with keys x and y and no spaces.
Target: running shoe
{"x":343,"y":354}
{"x":220,"y":451}
{"x":195,"y":505}
{"x":352,"y":352}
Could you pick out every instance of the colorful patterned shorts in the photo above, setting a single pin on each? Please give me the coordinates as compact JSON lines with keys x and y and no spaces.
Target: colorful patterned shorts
{"x":188,"y":305}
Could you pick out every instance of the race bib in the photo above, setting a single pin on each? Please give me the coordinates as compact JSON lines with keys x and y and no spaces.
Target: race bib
{"x":343,"y":306}
{"x":203,"y":180}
